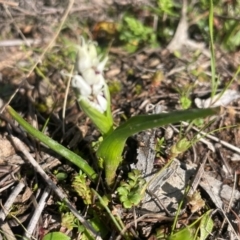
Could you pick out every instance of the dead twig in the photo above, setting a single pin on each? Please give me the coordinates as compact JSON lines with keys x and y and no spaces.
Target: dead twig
{"x":19,"y":42}
{"x":7,"y":231}
{"x":157,"y":216}
{"x":9,"y":3}
{"x":38,"y":211}
{"x":198,"y":175}
{"x":215,"y":139}
{"x":6,"y":208}
{"x":18,"y":144}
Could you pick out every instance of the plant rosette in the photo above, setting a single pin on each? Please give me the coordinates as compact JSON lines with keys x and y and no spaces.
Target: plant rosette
{"x":130,"y":192}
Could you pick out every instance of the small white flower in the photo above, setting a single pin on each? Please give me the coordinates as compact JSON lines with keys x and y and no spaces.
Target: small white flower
{"x":95,"y":94}
{"x":88,"y":80}
{"x":82,"y":87}
{"x":87,"y":58}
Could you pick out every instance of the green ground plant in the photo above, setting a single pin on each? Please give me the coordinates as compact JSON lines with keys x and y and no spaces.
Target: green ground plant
{"x":94,"y":99}
{"x":198,"y":230}
{"x":134,"y":34}
{"x":130,"y":192}
{"x":111,"y":148}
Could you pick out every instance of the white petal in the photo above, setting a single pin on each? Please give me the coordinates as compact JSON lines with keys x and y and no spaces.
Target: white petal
{"x":83,"y":61}
{"x":93,"y":78}
{"x":90,"y":76}
{"x":96,"y":106}
{"x":98,"y":87}
{"x":102,"y":101}
{"x":83,"y":88}
{"x":101,"y":65}
{"x":92,"y":51}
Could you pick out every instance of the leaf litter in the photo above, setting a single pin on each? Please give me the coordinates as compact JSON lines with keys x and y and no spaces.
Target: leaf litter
{"x":135,"y":74}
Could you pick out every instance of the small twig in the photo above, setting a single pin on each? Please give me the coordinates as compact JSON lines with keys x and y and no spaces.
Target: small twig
{"x":54,"y":37}
{"x":225,"y":144}
{"x":206,"y":135}
{"x":198,"y":175}
{"x":215,"y":196}
{"x":228,"y":168}
{"x":134,"y":217}
{"x":54,"y":187}
{"x":232,"y":193}
{"x":65,"y":100}
{"x":37,"y":213}
{"x":10,"y":3}
{"x":19,"y":42}
{"x":209,"y":144}
{"x":6,"y":187}
{"x":161,"y":204}
{"x":11,"y":172}
{"x":231,"y":200}
{"x":6,"y":209}
{"x":10,"y":200}
{"x":142,"y":218}
{"x":238,"y":221}
{"x":7,"y":231}
{"x":189,"y":68}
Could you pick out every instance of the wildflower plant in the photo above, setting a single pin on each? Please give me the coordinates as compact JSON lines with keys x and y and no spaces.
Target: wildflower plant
{"x":93,"y":96}
{"x":81,"y":186}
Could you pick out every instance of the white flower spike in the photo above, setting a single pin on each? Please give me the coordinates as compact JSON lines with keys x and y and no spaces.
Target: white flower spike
{"x":88,"y":80}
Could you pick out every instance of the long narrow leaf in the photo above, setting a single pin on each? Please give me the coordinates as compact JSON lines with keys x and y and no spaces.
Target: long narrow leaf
{"x":112,"y":146}
{"x":61,"y":150}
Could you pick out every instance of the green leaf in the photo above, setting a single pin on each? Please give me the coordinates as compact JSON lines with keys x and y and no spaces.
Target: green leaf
{"x":124,"y":198}
{"x":56,"y":236}
{"x":112,"y":146}
{"x":185,"y":102}
{"x":206,"y":225}
{"x":122,"y":191}
{"x":127,"y":204}
{"x":61,"y":150}
{"x":184,"y":234}
{"x":103,"y":203}
{"x":61,"y":176}
{"x":132,"y":183}
{"x":103,"y":121}
{"x":180,"y":147}
{"x":99,"y":225}
{"x":135,"y":198}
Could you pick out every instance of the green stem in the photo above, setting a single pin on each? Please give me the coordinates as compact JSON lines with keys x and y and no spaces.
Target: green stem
{"x":102,"y":202}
